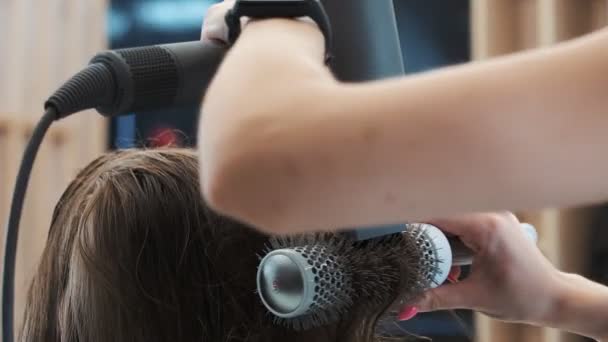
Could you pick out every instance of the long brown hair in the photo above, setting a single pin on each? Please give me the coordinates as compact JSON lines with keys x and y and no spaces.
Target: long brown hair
{"x":134,"y":254}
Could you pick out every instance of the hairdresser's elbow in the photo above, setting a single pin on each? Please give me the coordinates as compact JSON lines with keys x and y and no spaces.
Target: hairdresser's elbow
{"x":247,"y":144}
{"x":247,"y":188}
{"x":241,"y":175}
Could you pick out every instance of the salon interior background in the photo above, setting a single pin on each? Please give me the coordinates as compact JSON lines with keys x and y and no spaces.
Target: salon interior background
{"x":45,"y":41}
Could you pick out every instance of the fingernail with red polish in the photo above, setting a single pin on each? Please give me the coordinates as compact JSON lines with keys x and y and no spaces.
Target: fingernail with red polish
{"x":408,"y":313}
{"x":454,"y":275}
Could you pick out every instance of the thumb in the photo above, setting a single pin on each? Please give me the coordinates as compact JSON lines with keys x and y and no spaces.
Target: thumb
{"x":216,"y":31}
{"x":446,"y":297}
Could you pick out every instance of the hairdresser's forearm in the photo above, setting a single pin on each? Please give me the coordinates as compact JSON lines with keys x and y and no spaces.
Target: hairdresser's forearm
{"x":582,"y":308}
{"x":515,"y":133}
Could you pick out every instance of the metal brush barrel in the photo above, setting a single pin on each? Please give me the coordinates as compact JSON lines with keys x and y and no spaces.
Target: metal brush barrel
{"x":315,"y":281}
{"x":295,"y":282}
{"x":436,"y":260}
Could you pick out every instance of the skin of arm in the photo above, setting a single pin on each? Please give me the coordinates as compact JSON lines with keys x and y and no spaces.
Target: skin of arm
{"x":287,"y":148}
{"x":581,"y":308}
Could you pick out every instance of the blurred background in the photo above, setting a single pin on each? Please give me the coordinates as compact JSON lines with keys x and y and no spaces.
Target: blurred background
{"x":46,"y":41}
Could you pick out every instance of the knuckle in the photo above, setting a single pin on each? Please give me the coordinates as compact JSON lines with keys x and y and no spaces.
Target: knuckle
{"x":216,"y":10}
{"x":212,"y":9}
{"x":494,"y":223}
{"x":434,"y":302}
{"x":492,"y":230}
{"x":509,"y":215}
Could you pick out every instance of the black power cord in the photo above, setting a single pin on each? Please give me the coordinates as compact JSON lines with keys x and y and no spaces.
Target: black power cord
{"x":88,"y":88}
{"x":12,"y":229}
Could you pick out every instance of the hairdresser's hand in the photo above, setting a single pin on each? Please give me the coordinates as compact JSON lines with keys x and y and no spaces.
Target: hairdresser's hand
{"x":215,"y":27}
{"x":510,"y":280}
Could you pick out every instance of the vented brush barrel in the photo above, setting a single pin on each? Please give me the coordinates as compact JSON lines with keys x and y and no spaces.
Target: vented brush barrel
{"x":436,"y":260}
{"x":314,"y":281}
{"x":293,"y":282}
{"x":284,"y":284}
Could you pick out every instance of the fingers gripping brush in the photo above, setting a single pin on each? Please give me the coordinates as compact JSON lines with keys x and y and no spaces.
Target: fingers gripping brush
{"x":310,"y":281}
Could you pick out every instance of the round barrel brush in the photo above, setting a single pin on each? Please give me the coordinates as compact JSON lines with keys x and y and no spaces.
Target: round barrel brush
{"x":313,"y":280}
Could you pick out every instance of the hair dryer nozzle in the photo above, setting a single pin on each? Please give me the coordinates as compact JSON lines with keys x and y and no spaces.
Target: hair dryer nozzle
{"x":147,"y":78}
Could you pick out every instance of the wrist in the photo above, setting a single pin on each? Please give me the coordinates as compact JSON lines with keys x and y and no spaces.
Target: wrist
{"x":300,"y":34}
{"x":309,"y":12}
{"x":580,"y":306}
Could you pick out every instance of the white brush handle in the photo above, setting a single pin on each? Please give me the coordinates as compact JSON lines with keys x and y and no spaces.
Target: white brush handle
{"x":463,"y":256}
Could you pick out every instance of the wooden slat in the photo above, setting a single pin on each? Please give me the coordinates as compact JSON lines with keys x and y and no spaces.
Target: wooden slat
{"x":547,"y":22}
{"x":70,"y":60}
{"x":92,"y":39}
{"x":46,"y":185}
{"x":505,"y":26}
{"x":565,"y":231}
{"x":566,"y":19}
{"x":49,"y":41}
{"x":5,"y":7}
{"x":4,"y":123}
{"x":4,"y":182}
{"x":10,"y":131}
{"x":33,"y":224}
{"x":576,"y":18}
{"x":491,"y":28}
{"x":13,"y":146}
{"x":17,"y":31}
{"x":98,"y":138}
{"x":40,"y":49}
{"x":527,"y":29}
{"x":599,"y":14}
{"x":489,"y":330}
{"x":502,"y":26}
{"x":547,"y":224}
{"x":59,"y":40}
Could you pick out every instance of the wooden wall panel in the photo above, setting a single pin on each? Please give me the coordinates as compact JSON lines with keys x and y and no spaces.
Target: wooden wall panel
{"x":502,"y":26}
{"x":506,"y":26}
{"x":575,"y":17}
{"x":48,"y":40}
{"x":11,"y":137}
{"x":4,"y":181}
{"x":3,"y":168}
{"x":4,"y":36}
{"x":489,"y":330}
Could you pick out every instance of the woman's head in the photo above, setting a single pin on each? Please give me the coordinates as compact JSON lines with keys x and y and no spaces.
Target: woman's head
{"x":133,"y":254}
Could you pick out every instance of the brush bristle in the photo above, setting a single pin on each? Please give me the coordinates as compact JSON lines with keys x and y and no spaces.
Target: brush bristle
{"x":375,"y":273}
